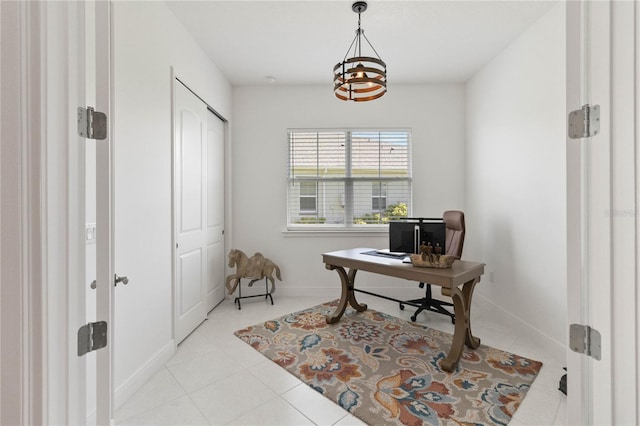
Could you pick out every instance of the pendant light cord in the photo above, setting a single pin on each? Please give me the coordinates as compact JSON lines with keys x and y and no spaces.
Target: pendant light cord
{"x":358,"y":42}
{"x":359,"y":46}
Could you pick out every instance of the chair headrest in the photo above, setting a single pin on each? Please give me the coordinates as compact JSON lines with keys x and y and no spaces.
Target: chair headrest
{"x":454,"y":220}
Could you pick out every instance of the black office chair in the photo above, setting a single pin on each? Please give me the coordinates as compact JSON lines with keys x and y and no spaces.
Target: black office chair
{"x":455,"y":230}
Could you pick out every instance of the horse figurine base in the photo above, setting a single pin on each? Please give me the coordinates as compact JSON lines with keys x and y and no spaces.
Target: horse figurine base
{"x":255,"y":268}
{"x":240,"y":296}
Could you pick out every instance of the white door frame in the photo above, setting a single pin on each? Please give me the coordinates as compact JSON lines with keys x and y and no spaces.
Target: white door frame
{"x":22,"y":254}
{"x":105,"y":274}
{"x":602,"y":202}
{"x":65,"y":211}
{"x":624,"y":216}
{"x":42,"y":212}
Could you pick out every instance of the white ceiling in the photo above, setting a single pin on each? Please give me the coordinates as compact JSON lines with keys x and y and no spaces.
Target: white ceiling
{"x":299,"y":42}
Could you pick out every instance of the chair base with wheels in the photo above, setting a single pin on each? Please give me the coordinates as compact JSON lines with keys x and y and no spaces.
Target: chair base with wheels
{"x":428,"y":303}
{"x":455,"y":232}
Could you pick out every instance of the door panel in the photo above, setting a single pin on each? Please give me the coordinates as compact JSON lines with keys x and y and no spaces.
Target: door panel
{"x":215,"y":211}
{"x":190,"y":267}
{"x":190,"y":208}
{"x":215,"y":287}
{"x":191,"y":153}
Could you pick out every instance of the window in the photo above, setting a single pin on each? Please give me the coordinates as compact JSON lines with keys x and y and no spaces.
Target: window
{"x":379,"y":197}
{"x":308,"y":197}
{"x":348,"y":178}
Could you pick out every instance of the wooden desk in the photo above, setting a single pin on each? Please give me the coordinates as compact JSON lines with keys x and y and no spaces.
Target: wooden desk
{"x":462,"y":272}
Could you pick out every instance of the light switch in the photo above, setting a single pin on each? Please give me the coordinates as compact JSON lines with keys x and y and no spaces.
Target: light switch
{"x":90,"y":233}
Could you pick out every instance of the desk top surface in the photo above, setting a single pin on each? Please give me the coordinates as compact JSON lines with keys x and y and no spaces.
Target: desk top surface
{"x":460,"y":272}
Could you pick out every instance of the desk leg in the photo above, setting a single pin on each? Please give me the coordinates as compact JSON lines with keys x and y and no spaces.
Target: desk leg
{"x":462,"y":332}
{"x":347,"y":295}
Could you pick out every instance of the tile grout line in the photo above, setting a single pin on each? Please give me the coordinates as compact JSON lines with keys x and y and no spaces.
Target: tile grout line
{"x":189,"y":396}
{"x":157,"y":405}
{"x":295,"y":408}
{"x":261,"y":405}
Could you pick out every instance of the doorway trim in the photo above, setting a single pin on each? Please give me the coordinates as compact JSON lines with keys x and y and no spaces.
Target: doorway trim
{"x":38,"y":221}
{"x":21,"y":130}
{"x":602,"y":205}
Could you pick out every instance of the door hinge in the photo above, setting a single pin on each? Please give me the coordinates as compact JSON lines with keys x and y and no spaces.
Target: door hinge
{"x":91,"y":337}
{"x":584,"y":122}
{"x":585,"y":340}
{"x":92,"y":124}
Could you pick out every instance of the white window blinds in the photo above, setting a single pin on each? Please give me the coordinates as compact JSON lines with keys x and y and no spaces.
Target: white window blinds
{"x":347,"y":178}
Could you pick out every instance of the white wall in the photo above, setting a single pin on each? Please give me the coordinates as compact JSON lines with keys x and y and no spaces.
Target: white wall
{"x":516,"y":176}
{"x":148,"y":42}
{"x":262,"y":116}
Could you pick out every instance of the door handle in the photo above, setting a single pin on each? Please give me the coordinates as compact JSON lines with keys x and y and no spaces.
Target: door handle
{"x":117,"y":279}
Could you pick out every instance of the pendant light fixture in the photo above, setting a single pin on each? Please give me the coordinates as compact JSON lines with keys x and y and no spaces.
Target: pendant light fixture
{"x":360,"y":78}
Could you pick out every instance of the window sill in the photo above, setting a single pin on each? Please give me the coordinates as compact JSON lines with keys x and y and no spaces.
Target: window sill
{"x":309,"y":231}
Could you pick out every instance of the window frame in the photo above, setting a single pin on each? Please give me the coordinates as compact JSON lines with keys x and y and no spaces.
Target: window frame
{"x":349,"y":182}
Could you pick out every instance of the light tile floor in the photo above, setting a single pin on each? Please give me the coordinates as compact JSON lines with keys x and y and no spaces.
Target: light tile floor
{"x":215,"y":378}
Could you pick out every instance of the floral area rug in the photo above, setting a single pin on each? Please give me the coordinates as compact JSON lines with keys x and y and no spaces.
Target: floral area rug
{"x":385,"y":370}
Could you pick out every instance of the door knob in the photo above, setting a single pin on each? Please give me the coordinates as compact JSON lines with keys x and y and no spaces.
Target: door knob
{"x":116,"y":279}
{"x":123,"y":280}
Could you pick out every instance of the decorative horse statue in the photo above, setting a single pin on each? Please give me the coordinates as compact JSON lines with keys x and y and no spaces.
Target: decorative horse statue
{"x":255,"y":268}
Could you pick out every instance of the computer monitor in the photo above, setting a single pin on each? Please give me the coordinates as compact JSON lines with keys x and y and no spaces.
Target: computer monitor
{"x":407,"y":235}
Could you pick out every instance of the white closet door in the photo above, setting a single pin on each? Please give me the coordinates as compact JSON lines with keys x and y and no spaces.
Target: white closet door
{"x":215,"y":211}
{"x":190,"y":210}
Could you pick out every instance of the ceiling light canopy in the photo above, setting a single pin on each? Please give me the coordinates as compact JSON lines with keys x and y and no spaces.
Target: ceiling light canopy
{"x":360,"y":78}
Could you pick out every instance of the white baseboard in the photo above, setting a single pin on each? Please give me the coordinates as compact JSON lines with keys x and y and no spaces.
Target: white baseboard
{"x":144,"y":373}
{"x":556,"y":348}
